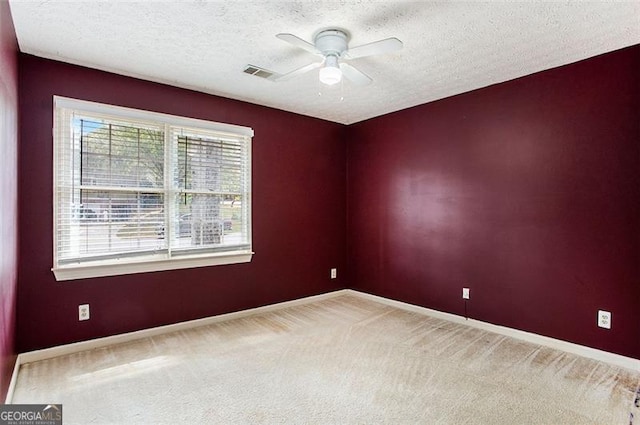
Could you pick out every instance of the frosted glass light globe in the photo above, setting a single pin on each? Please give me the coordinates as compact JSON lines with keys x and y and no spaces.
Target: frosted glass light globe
{"x":330,"y":75}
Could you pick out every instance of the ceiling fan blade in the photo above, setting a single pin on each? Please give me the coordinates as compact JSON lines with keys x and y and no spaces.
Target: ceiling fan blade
{"x":380,"y":47}
{"x":298,"y":42}
{"x":299,"y":71}
{"x":356,"y":76}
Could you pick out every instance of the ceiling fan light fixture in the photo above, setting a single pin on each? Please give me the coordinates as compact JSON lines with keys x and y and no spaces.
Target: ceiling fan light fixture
{"x":330,"y":73}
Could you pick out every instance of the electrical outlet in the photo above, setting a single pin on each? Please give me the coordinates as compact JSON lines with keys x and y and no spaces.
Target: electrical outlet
{"x":83,"y":312}
{"x":465,"y":293}
{"x":334,"y":273}
{"x":604,"y":319}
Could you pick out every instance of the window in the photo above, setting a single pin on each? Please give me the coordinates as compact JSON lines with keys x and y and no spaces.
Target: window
{"x":138,"y":191}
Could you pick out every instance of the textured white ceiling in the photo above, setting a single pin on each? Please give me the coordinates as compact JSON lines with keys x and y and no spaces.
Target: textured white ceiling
{"x":449,"y":47}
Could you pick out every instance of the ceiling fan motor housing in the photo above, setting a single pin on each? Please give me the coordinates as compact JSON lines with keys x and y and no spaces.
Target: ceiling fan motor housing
{"x":331,"y":42}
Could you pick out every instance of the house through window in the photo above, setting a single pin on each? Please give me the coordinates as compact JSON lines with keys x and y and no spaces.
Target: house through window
{"x":139,"y":191}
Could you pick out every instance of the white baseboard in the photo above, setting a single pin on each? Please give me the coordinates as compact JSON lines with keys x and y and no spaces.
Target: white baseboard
{"x":14,"y":379}
{"x":580,"y":350}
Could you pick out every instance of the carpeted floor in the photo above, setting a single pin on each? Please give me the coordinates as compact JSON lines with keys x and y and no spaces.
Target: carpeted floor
{"x":344,"y":360}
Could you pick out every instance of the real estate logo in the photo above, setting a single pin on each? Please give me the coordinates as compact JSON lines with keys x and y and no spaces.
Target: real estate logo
{"x":31,"y":414}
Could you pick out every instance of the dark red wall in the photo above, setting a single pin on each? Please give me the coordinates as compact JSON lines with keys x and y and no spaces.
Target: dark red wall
{"x":299,"y":203}
{"x":527,"y":192}
{"x":8,"y":194}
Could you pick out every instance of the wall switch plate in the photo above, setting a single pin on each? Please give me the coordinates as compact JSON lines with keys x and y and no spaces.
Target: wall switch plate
{"x":604,"y":319}
{"x":465,"y":293}
{"x":334,"y":273}
{"x":83,"y":312}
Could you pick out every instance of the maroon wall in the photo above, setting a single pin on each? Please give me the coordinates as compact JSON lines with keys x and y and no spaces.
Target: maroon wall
{"x":528,"y":192}
{"x":8,"y":194}
{"x":299,"y":204}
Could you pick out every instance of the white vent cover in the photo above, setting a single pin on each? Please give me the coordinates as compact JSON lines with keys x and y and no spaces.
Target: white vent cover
{"x":259,"y":72}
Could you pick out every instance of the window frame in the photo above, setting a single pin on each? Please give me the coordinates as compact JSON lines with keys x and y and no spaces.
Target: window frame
{"x":142,"y":263}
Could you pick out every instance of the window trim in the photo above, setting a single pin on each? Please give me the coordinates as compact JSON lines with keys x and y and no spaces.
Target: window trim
{"x":143,"y":264}
{"x":118,"y":267}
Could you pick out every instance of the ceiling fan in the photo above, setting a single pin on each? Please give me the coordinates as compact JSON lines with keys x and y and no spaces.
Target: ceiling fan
{"x":333,"y":46}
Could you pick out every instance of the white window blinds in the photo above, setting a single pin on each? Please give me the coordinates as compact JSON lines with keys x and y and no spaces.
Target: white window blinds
{"x":211,"y":199}
{"x":138,"y":187}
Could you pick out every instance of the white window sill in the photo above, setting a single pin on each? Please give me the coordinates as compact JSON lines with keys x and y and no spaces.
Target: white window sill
{"x":120,"y":267}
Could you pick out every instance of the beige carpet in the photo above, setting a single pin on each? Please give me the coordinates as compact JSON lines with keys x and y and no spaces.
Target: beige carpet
{"x":339,"y":361}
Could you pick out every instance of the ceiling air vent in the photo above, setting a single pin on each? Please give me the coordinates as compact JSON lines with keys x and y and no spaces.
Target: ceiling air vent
{"x":258,"y":72}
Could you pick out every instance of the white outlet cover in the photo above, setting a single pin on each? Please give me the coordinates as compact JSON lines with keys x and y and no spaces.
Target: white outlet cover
{"x":83,"y":312}
{"x":604,"y":319}
{"x":334,"y":273}
{"x":465,"y":293}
